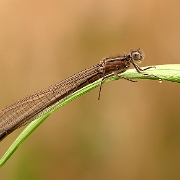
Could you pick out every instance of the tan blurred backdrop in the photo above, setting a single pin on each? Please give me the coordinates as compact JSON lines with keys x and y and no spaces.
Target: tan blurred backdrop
{"x":133,"y":132}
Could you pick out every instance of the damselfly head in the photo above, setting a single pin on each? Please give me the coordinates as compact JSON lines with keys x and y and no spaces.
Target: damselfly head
{"x":137,"y":55}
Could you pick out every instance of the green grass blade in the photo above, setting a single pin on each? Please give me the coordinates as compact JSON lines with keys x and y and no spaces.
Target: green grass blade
{"x":169,"y":72}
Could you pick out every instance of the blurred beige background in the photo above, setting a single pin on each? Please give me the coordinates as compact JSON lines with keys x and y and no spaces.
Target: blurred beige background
{"x":133,"y":132}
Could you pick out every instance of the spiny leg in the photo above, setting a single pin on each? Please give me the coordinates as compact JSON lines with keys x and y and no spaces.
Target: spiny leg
{"x":111,"y":75}
{"x":115,"y":73}
{"x":101,"y":83}
{"x":99,"y":95}
{"x":139,"y":70}
{"x":127,"y":78}
{"x":151,"y":75}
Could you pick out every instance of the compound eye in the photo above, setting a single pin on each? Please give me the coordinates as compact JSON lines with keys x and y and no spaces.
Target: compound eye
{"x":136,"y":55}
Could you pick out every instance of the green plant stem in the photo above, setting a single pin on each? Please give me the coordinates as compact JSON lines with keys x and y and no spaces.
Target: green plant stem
{"x":169,"y":72}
